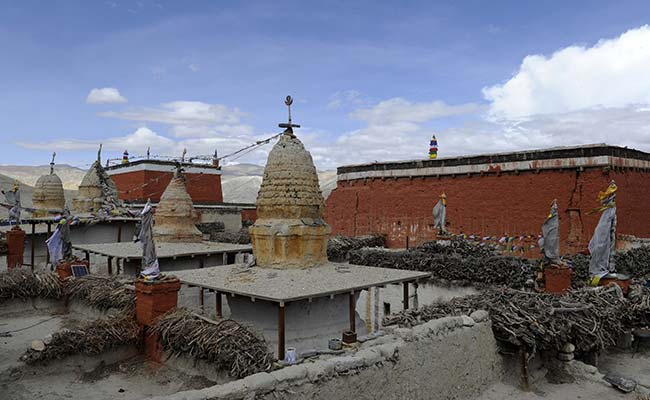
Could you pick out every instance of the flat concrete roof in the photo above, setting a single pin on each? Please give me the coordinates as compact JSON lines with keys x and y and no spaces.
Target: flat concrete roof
{"x":589,"y":156}
{"x":133,"y":251}
{"x":285,"y":285}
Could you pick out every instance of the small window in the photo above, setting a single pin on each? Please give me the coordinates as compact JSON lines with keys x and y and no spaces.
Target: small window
{"x":386,"y":308}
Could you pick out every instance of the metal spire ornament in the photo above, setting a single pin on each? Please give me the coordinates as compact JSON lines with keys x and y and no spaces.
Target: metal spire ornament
{"x":289,"y":125}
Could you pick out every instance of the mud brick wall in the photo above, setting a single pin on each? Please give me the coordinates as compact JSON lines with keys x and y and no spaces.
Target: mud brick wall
{"x":489,"y":204}
{"x":202,"y":188}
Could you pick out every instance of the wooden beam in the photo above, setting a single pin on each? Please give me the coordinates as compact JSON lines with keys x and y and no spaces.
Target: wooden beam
{"x":406,"y":295}
{"x":281,"y":332}
{"x":353,"y":313}
{"x":219,"y":306}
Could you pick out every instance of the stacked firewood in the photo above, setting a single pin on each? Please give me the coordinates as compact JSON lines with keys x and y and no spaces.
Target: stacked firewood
{"x":90,"y":338}
{"x":591,"y":319}
{"x":460,"y":261}
{"x":22,"y":284}
{"x":229,"y":345}
{"x":102,"y":292}
{"x":339,"y":246}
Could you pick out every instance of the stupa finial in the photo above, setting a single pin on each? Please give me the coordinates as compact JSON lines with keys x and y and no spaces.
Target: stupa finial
{"x":52,"y":163}
{"x":289,"y":126}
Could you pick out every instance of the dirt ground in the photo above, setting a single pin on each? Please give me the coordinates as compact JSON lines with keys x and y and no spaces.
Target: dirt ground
{"x":124,"y":375}
{"x":588,"y":385}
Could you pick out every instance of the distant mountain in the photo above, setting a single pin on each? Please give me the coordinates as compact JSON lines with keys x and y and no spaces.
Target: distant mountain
{"x":70,"y":176}
{"x":241,"y":182}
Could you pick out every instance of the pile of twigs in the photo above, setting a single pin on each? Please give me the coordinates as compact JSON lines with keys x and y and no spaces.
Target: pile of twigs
{"x":339,"y":246}
{"x":459,"y":262}
{"x":102,"y":292}
{"x":22,"y":284}
{"x":459,"y":247}
{"x":591,"y":319}
{"x":633,"y":262}
{"x":211,"y":228}
{"x":226,"y":343}
{"x":638,"y":307}
{"x":90,"y":338}
{"x":241,"y":237}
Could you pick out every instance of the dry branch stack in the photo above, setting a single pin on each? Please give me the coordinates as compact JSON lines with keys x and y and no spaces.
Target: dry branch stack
{"x":89,"y":338}
{"x":591,"y":319}
{"x":459,"y":261}
{"x":339,"y":246}
{"x":226,"y":343}
{"x":22,"y":284}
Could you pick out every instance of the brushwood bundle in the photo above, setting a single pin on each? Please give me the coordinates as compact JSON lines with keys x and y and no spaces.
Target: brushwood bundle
{"x":240,"y":237}
{"x":591,"y":319}
{"x":457,"y":262}
{"x":226,"y":343}
{"x":22,"y":284}
{"x":339,"y":246}
{"x":633,"y":262}
{"x":89,"y":338}
{"x":102,"y":292}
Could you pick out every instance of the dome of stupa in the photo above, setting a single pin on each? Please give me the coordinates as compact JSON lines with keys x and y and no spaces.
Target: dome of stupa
{"x":48,"y":195}
{"x":290,"y":184}
{"x":289,"y":231}
{"x":175,"y":214}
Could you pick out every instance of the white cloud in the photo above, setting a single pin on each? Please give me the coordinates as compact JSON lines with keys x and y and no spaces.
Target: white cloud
{"x":398,"y":110}
{"x":191,"y":118}
{"x":612,"y":73}
{"x":344,"y":98}
{"x":105,"y":96}
{"x":138,"y":141}
{"x":395,"y":129}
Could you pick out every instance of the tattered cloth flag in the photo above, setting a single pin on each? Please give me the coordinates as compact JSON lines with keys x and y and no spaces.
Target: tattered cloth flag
{"x":440,"y":214}
{"x":13,"y":198}
{"x":603,"y":242}
{"x":150,"y":267}
{"x":550,"y":240}
{"x":59,"y":245}
{"x":433,"y":148}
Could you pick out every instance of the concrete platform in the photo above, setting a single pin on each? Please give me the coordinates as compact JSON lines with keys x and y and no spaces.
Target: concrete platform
{"x":171,"y":256}
{"x":304,"y":307}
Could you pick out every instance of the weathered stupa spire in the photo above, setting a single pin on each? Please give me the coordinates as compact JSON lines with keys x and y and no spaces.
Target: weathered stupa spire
{"x":290,"y":231}
{"x":175,"y":213}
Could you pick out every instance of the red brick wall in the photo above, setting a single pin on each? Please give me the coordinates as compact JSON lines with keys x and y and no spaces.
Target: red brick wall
{"x":141,"y":185}
{"x":248,"y":215}
{"x":489,"y":205}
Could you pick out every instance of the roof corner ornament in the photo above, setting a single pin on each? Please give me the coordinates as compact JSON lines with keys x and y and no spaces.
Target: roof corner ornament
{"x":289,"y":126}
{"x":52,"y":163}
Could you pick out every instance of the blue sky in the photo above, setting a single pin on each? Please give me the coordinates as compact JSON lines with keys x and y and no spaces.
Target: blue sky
{"x":371,"y":80}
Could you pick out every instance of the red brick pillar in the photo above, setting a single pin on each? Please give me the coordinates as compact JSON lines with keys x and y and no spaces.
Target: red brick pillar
{"x":15,"y":247}
{"x":154,"y":299}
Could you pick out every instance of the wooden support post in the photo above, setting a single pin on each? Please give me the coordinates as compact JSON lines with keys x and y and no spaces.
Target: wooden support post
{"x":33,"y":245}
{"x":353,"y":312}
{"x":119,"y":232}
{"x":224,"y":258}
{"x":281,"y":337}
{"x":202,"y":301}
{"x":110,"y":265}
{"x":202,"y":262}
{"x":47,"y":250}
{"x":219,"y":306}
{"x":406,"y":295}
